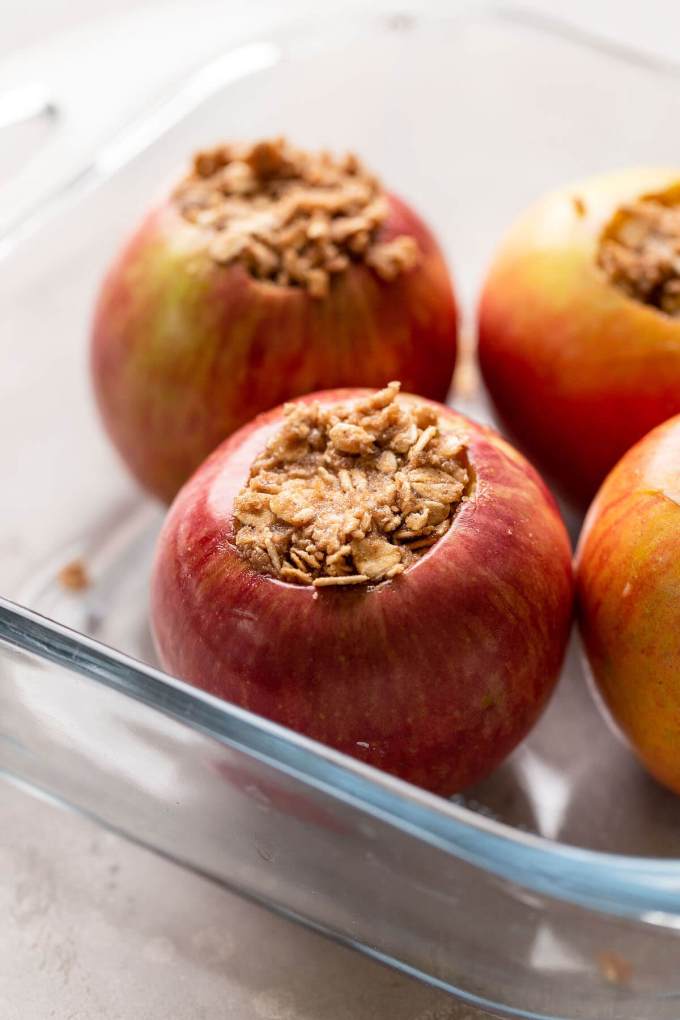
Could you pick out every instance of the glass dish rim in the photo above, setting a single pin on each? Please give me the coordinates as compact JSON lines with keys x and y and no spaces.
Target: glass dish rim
{"x":646,"y":889}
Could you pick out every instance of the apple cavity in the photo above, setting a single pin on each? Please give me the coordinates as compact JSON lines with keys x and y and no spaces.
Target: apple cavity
{"x":268,"y":273}
{"x":375,"y":571}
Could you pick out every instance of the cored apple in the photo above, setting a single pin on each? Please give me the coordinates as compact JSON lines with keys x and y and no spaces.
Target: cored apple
{"x":375,"y":571}
{"x":579,"y":324}
{"x":268,"y":273}
{"x":629,"y":598}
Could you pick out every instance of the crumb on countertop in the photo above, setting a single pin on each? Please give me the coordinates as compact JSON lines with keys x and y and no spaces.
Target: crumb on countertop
{"x":74,"y":576}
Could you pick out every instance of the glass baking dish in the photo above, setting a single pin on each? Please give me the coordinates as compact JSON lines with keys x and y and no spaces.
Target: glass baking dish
{"x":551,"y":890}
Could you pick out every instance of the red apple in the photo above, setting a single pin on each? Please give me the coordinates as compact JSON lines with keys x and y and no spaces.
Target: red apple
{"x":185,"y":349}
{"x":629,"y":598}
{"x":434,"y":675}
{"x":579,"y":368}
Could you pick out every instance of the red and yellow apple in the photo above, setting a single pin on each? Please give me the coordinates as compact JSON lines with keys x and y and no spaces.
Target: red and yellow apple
{"x":577,"y":368}
{"x":433,"y":675}
{"x":186,"y":349}
{"x":628,"y":578}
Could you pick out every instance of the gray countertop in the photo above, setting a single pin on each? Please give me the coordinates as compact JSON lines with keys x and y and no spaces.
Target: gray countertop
{"x":98,"y":929}
{"x":95,"y":928}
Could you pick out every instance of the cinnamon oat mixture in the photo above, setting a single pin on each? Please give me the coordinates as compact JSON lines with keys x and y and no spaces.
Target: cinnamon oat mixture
{"x":74,"y":576}
{"x":640,"y":253}
{"x":295,"y":218}
{"x":347,"y":494}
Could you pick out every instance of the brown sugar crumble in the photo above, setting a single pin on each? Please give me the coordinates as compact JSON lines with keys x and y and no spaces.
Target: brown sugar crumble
{"x":640,"y":251}
{"x":292,"y":217}
{"x":74,"y":576}
{"x":348,"y":494}
{"x":580,"y":207}
{"x":615,"y":969}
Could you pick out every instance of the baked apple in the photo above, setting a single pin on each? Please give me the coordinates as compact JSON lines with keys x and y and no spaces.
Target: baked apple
{"x":269,"y":272}
{"x":629,"y":598}
{"x":374,"y":571}
{"x":579,"y":324}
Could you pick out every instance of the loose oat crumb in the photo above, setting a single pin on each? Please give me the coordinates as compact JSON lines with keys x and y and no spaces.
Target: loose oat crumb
{"x":615,"y":969}
{"x":326,"y":582}
{"x":640,"y":251}
{"x":393,"y":257}
{"x":349,"y":494}
{"x":292,"y":217}
{"x":579,"y":204}
{"x":74,"y":576}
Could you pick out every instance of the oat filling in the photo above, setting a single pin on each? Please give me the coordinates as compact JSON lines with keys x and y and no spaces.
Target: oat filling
{"x":292,"y":217}
{"x":351,"y":494}
{"x":640,"y":251}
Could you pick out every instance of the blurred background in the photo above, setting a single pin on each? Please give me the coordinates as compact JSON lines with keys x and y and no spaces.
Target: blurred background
{"x":92,"y":67}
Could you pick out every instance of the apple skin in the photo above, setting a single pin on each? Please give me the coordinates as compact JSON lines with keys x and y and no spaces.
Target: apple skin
{"x":185,"y":351}
{"x":628,"y":576}
{"x":578,"y":371}
{"x":434,"y":676}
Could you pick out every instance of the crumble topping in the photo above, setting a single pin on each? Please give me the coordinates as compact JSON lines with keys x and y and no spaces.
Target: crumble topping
{"x":615,"y":969}
{"x":74,"y":576}
{"x":289,"y":216}
{"x":350,"y":493}
{"x":640,"y":251}
{"x":580,"y":207}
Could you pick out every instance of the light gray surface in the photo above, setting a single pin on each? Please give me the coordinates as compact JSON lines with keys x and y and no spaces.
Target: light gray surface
{"x":94,"y":921}
{"x":97,"y":929}
{"x":652,"y":26}
{"x":76,"y":51}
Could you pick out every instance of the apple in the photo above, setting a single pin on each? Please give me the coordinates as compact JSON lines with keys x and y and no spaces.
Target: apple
{"x":628,"y":577}
{"x":432,"y":668}
{"x":200,"y":324}
{"x":579,"y":334}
